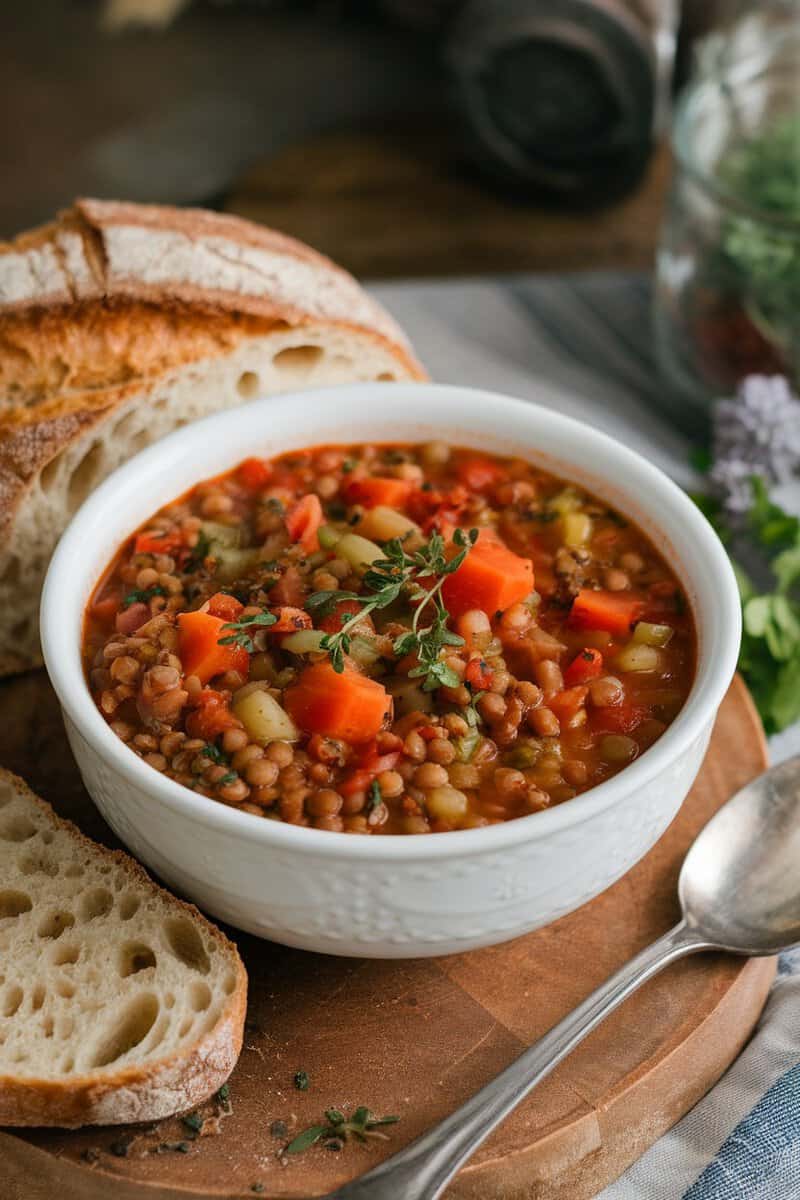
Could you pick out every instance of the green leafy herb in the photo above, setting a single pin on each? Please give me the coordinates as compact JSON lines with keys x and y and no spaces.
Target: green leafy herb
{"x":215,"y":754}
{"x":199,"y":552}
{"x":374,"y":796}
{"x":301,"y":1081}
{"x":418,"y":575}
{"x":143,"y":595}
{"x":243,"y":629}
{"x":193,"y":1121}
{"x":224,"y":780}
{"x":769,"y":658}
{"x":362,"y":1125}
{"x":223,"y":1097}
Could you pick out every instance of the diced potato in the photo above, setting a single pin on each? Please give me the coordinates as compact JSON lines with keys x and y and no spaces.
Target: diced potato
{"x":305,"y":641}
{"x":358,"y":551}
{"x":383,"y":524}
{"x":221,"y":535}
{"x":637,"y":657}
{"x":263,"y":718}
{"x":565,"y":501}
{"x":446,"y":804}
{"x":653,"y":635}
{"x":233,"y":563}
{"x":576,"y":529}
{"x":408,"y":696}
{"x":363,"y":651}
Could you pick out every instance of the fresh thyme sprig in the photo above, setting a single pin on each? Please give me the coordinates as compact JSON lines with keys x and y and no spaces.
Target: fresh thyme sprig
{"x":243,"y":628}
{"x":422,"y":574}
{"x":362,"y":1125}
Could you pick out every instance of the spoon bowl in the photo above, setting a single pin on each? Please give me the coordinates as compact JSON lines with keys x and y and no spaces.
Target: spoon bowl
{"x":740,"y":883}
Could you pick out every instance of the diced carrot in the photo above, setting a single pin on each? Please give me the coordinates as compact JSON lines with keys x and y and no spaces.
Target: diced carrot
{"x":615,"y":612}
{"x":348,"y":705}
{"x":224,"y":606}
{"x":491,"y":578}
{"x":210,"y":716}
{"x":587,"y":664}
{"x":290,"y":620}
{"x":478,"y":674}
{"x":254,"y":474}
{"x":621,"y":718}
{"x":289,"y":589}
{"x":344,"y":610}
{"x":199,"y":647}
{"x":153,"y":542}
{"x":373,"y":490}
{"x":479,"y":474}
{"x":565,"y":704}
{"x":303,"y":521}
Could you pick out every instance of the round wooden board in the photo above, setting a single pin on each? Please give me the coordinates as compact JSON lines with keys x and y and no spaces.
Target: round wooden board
{"x":415,"y":1038}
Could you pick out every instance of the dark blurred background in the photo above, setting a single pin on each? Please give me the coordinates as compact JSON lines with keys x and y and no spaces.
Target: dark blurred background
{"x":400,"y":136}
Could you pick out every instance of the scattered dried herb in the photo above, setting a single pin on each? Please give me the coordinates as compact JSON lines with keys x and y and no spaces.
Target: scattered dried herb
{"x":301,"y":1081}
{"x":337,"y":1128}
{"x":121,"y":1146}
{"x":143,"y":595}
{"x":278,"y":1129}
{"x":193,"y":1121}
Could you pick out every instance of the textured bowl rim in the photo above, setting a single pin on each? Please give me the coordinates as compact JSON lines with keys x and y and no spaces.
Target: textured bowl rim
{"x":61,"y":648}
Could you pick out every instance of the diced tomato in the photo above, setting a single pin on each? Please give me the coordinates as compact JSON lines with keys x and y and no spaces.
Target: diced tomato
{"x":200,"y":651}
{"x":254,"y":474}
{"x":491,"y":578}
{"x":615,"y":612}
{"x":303,"y":521}
{"x":373,"y":490}
{"x":210,"y":716}
{"x":619,"y":718}
{"x":435,"y":509}
{"x":344,"y":610}
{"x":478,"y":674}
{"x":290,"y":620}
{"x":344,"y":705}
{"x":565,"y":704}
{"x":428,"y":732}
{"x":587,"y":664}
{"x":224,"y":606}
{"x":289,"y":589}
{"x":479,"y":474}
{"x":369,"y":767}
{"x":152,"y":542}
{"x":106,"y":609}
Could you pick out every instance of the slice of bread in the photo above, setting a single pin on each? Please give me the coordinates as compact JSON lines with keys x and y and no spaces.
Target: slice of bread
{"x":120,"y":322}
{"x":118,"y":1002}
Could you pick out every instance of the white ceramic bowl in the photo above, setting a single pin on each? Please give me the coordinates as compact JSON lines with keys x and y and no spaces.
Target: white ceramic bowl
{"x":390,"y":896}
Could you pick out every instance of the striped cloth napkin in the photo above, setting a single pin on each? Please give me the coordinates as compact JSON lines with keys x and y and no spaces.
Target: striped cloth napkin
{"x":583,"y":344}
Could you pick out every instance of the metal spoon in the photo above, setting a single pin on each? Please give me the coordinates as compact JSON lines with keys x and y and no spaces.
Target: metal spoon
{"x":739,"y":890}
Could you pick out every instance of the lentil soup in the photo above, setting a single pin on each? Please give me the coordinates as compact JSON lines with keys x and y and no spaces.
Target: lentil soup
{"x":389,"y":639}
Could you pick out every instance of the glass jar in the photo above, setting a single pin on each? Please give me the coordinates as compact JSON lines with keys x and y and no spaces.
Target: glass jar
{"x":727,"y":295}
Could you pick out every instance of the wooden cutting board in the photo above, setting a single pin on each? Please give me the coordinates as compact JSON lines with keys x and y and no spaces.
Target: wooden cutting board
{"x":416,"y":1038}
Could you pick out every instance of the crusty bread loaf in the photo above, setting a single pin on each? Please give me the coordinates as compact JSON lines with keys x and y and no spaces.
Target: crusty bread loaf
{"x":117,"y":1002}
{"x":119,"y":322}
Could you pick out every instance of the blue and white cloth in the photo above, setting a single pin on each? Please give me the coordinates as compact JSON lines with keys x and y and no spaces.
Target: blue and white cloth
{"x":582,"y":344}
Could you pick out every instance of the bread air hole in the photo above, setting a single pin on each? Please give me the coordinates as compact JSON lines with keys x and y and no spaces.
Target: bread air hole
{"x":248,"y":385}
{"x":186,"y":944}
{"x":64,"y":988}
{"x":96,"y":903}
{"x":130,"y":1027}
{"x":128,"y":907}
{"x":85,"y":476}
{"x":199,"y":996}
{"x":16,"y":827}
{"x":37,"y":863}
{"x":65,"y":955}
{"x":14,"y":904}
{"x":55,"y":923}
{"x":74,"y":871}
{"x":386,"y":377}
{"x":12,"y":998}
{"x":37,"y":997}
{"x":298,"y":360}
{"x":135,"y":957}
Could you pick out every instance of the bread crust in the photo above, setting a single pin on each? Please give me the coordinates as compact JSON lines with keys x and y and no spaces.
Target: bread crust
{"x":144,"y":1092}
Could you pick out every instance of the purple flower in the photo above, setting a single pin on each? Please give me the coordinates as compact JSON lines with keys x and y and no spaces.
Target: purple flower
{"x":755,"y":432}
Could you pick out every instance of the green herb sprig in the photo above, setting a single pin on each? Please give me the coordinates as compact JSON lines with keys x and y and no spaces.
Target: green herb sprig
{"x":420,"y":575}
{"x":362,"y":1126}
{"x":242,"y":630}
{"x":143,"y":595}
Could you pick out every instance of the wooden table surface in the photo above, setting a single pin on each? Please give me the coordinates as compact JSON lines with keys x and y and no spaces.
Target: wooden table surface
{"x":399,"y":202}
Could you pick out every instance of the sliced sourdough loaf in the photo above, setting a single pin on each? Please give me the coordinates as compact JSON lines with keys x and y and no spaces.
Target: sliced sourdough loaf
{"x":119,"y":322}
{"x":118,"y":1002}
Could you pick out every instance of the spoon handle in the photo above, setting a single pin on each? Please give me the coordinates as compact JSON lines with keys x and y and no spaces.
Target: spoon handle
{"x":424,"y":1168}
